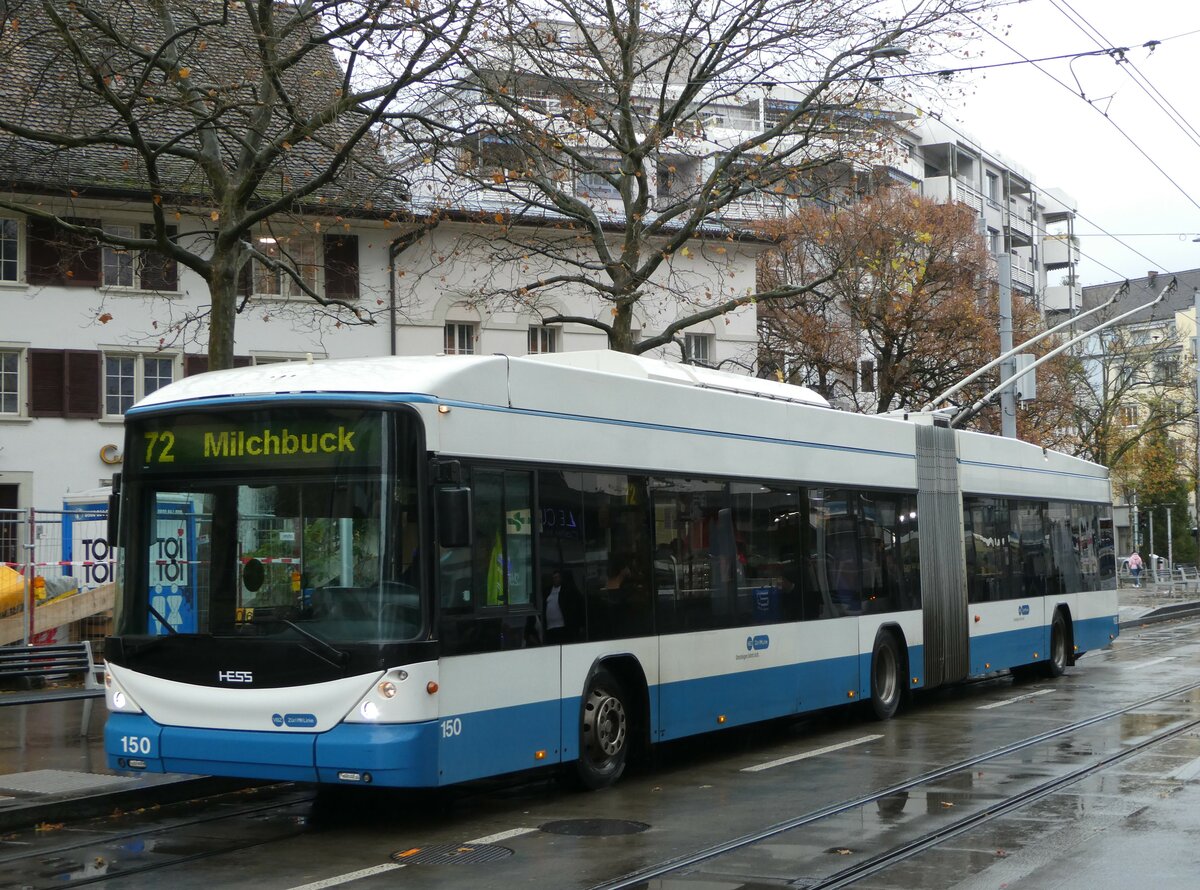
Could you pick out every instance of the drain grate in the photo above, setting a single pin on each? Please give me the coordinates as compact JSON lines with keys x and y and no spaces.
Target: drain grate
{"x":594,"y":827}
{"x":452,"y":854}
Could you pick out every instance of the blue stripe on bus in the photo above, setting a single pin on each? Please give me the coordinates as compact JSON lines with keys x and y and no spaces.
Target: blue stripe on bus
{"x":469,"y":746}
{"x":1000,"y":651}
{"x":996,"y":652}
{"x":504,"y":740}
{"x":401,"y":755}
{"x":132,"y":735}
{"x":1094,"y":633}
{"x":244,"y":753}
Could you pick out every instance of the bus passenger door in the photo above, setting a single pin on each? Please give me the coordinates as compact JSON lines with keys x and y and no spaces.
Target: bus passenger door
{"x":500,"y":689}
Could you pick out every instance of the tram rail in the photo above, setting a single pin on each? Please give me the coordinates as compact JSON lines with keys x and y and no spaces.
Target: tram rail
{"x":874,"y":864}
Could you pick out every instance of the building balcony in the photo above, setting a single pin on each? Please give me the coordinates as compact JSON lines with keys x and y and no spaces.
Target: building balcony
{"x":1020,"y":229}
{"x":1023,"y":276}
{"x":1062,"y":298}
{"x":947,"y":188}
{"x":1059,"y":251}
{"x":761,"y":205}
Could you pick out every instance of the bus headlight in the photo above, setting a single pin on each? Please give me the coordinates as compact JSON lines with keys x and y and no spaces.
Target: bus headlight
{"x":119,"y":700}
{"x":369,"y":710}
{"x":387,"y":689}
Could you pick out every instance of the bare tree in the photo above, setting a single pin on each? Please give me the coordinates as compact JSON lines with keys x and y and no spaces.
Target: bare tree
{"x":612,"y":146}
{"x":232,"y":116}
{"x":1128,"y":386}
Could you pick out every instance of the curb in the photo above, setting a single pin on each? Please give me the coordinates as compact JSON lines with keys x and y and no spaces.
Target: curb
{"x":63,"y":808}
{"x":1163,"y":613}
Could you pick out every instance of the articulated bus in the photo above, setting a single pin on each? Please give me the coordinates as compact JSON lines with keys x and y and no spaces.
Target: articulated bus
{"x":414,"y":572}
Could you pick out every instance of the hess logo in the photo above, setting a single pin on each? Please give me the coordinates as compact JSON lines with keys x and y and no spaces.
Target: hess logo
{"x":235,"y":676}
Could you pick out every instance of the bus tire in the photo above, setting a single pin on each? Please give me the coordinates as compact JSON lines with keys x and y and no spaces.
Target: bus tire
{"x":1056,"y":664}
{"x":886,"y":687}
{"x":603,"y":733}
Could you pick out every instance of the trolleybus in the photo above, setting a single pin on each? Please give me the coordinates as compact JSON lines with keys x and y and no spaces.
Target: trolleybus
{"x":420,"y":571}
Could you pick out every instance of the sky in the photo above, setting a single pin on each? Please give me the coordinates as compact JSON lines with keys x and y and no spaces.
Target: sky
{"x":1063,"y":140}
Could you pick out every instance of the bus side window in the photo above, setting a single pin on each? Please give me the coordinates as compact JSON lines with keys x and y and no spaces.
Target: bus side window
{"x":486,"y":588}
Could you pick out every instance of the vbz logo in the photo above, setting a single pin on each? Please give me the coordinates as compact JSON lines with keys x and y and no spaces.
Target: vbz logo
{"x":1023,"y":609}
{"x":235,"y":676}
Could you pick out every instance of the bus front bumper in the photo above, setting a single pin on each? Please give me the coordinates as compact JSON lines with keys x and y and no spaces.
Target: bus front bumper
{"x":392,"y":755}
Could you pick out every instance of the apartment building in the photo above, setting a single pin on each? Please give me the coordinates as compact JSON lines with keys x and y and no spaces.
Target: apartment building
{"x":1032,"y":224}
{"x":1142,"y":381}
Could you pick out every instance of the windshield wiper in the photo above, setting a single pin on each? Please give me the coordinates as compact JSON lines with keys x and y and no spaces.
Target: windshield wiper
{"x":163,"y":621}
{"x":338,"y":658}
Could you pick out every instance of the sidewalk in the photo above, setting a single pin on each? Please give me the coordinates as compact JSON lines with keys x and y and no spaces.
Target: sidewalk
{"x":1152,"y":603}
{"x":49,"y":771}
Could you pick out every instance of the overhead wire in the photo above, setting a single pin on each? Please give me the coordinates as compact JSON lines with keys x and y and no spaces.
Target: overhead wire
{"x":1114,"y":124}
{"x":1129,"y":67}
{"x":1117,"y":127}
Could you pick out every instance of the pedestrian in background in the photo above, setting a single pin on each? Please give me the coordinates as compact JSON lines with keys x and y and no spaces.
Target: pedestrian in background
{"x":1135,"y":568}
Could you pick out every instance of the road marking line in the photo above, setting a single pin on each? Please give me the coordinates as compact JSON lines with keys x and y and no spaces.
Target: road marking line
{"x":783,"y":760}
{"x":1153,"y":661}
{"x":1009,"y":701}
{"x":501,"y":836}
{"x":350,"y":876}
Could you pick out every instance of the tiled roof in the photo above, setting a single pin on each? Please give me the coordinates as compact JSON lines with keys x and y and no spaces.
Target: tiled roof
{"x":1143,"y":291}
{"x":45,"y":89}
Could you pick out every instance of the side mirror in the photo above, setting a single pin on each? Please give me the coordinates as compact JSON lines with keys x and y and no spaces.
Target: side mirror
{"x":114,"y":508}
{"x":454,"y":517}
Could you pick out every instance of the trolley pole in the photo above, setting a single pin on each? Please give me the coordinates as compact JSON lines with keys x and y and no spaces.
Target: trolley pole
{"x":1008,"y":398}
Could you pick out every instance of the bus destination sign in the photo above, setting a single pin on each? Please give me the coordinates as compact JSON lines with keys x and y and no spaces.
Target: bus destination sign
{"x":259,"y":439}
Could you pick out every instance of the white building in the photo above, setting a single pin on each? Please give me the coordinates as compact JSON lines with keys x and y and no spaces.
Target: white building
{"x":1034,"y":225}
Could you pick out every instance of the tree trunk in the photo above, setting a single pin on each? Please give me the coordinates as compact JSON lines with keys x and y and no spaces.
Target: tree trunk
{"x":223,"y":289}
{"x":620,"y":338}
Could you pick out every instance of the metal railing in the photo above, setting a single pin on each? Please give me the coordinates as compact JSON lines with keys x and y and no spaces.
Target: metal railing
{"x":47,"y":556}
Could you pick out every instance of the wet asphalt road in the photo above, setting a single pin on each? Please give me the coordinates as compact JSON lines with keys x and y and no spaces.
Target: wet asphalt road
{"x":1135,"y":822}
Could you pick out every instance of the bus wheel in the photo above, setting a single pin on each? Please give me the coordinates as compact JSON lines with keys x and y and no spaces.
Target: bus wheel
{"x":885,"y":677}
{"x":1056,"y":664}
{"x":604,"y":733}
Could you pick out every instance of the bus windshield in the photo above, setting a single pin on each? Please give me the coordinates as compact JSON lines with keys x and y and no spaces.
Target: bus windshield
{"x":289,"y":523}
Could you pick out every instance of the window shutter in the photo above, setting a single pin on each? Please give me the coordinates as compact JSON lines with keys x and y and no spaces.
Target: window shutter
{"x":158,"y":272}
{"x":47,"y":384}
{"x":59,"y":257}
{"x":83,"y":384}
{"x":42,"y":264}
{"x":341,"y":267}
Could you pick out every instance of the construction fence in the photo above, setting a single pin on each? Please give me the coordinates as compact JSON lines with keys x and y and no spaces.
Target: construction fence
{"x":56,"y":575}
